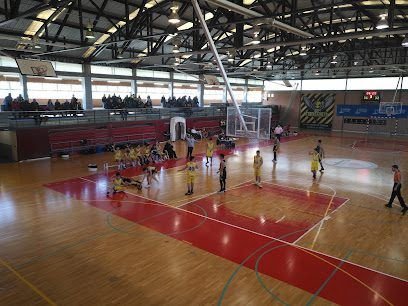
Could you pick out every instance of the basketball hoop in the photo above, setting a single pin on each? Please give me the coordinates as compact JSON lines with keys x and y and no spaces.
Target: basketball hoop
{"x":390,"y":108}
{"x":390,"y":111}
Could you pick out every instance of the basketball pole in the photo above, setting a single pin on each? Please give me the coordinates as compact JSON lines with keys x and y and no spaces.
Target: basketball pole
{"x":218,"y":60}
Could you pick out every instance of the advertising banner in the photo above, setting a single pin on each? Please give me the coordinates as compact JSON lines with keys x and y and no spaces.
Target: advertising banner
{"x":317,"y":110}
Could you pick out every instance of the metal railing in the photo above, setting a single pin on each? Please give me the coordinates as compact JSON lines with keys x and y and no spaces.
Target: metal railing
{"x":25,"y":119}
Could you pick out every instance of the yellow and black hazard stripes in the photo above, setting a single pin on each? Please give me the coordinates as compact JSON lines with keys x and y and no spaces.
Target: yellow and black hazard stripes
{"x":317,"y":110}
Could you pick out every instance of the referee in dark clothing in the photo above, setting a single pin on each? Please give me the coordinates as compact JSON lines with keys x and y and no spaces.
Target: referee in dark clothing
{"x":396,"y":190}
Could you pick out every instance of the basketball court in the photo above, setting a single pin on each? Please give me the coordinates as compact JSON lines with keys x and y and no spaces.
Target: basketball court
{"x":295,"y":241}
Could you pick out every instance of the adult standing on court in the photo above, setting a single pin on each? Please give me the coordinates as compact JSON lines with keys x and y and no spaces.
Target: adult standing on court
{"x":320,"y":150}
{"x":278,"y":131}
{"x":190,"y":145}
{"x":276,"y":145}
{"x":223,"y":173}
{"x":396,"y":190}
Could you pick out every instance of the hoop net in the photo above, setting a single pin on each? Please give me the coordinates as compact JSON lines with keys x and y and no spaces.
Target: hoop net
{"x":390,"y":108}
{"x":257,"y":121}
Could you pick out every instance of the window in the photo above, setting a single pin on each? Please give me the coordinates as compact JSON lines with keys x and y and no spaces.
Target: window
{"x":239,"y":93}
{"x":328,"y":84}
{"x":67,"y":67}
{"x":213,"y":94}
{"x":256,"y":82}
{"x":187,"y":90}
{"x":10,"y":84}
{"x":185,"y":77}
{"x":254,"y":94}
{"x":372,"y":84}
{"x":101,"y":87}
{"x":62,"y":89}
{"x":280,"y":85}
{"x":152,"y":74}
{"x":153,"y":89}
{"x":7,"y":62}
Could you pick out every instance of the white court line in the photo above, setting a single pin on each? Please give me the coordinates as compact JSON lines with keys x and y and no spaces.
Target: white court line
{"x":283,"y":217}
{"x":266,"y":236}
{"x":321,"y":221}
{"x":306,"y":190}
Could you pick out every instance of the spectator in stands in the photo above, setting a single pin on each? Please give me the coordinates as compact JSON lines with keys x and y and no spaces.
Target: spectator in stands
{"x":57,"y":105}
{"x":163,"y":101}
{"x":20,"y":98}
{"x":34,"y":105}
{"x":195,"y":102}
{"x":8,"y":100}
{"x":149,"y":103}
{"x":104,"y":101}
{"x":15,"y":105}
{"x":66,"y":105}
{"x":50,"y":105}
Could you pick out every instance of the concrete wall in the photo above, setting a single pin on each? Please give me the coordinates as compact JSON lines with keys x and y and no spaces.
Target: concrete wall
{"x":290,"y":107}
{"x":8,"y":145}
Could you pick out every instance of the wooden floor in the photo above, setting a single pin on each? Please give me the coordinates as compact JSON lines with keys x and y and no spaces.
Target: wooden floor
{"x":294,"y":242}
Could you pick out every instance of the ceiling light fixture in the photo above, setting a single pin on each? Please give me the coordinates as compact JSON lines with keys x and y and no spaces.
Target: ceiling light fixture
{"x":120,"y":53}
{"x":334,"y":60}
{"x":174,"y":18}
{"x":256,"y":40}
{"x":382,"y":24}
{"x":405,"y":42}
{"x":176,"y":47}
{"x":231,"y":57}
{"x":303,"y":51}
{"x":89,"y":30}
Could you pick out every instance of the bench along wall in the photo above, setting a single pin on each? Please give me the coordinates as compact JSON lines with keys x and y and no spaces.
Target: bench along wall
{"x":39,"y":142}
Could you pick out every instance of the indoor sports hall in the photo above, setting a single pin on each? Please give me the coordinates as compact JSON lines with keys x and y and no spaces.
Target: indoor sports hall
{"x":298,"y":107}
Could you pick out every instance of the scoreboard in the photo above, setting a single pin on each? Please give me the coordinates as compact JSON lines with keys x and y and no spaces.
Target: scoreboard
{"x":371,"y":96}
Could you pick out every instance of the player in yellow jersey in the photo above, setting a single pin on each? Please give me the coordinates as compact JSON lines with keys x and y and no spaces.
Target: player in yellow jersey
{"x":117,"y":184}
{"x":191,"y":168}
{"x":133,"y":156}
{"x":314,"y":166}
{"x":209,"y":151}
{"x":139,"y":154}
{"x":258,"y":161}
{"x":118,"y":156}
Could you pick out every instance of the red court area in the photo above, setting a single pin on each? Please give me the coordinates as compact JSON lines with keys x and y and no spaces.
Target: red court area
{"x":259,"y":243}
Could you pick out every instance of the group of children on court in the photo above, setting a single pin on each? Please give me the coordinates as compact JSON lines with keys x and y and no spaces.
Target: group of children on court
{"x":317,"y":156}
{"x":139,"y":155}
{"x":147,"y":155}
{"x":150,"y":154}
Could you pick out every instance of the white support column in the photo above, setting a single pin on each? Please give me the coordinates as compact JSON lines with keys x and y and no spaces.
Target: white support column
{"x":218,"y":60}
{"x":134,"y":82}
{"x":200,"y":91}
{"x":224,"y":94}
{"x":246,"y":91}
{"x":171,"y":85}
{"x":87,"y":88}
{"x":23,"y":83}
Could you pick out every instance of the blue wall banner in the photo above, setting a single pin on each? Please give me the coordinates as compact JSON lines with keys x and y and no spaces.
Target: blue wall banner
{"x":367,"y":110}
